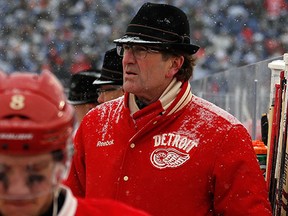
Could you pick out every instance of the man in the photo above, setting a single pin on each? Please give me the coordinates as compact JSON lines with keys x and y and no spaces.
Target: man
{"x":161,"y":148}
{"x":82,"y":93}
{"x":111,"y":79}
{"x":35,"y":139}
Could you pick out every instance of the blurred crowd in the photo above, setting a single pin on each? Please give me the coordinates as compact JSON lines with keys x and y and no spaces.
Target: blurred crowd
{"x":71,"y":35}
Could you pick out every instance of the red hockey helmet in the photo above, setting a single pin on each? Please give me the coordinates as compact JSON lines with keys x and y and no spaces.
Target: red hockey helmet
{"x":34,"y":115}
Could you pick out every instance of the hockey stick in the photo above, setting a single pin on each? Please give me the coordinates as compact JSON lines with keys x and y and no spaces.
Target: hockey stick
{"x":284,"y":162}
{"x":276,"y":143}
{"x":280,"y":164}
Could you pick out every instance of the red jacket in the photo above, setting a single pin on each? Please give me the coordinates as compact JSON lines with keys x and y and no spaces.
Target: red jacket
{"x":73,"y":206}
{"x":181,"y":157}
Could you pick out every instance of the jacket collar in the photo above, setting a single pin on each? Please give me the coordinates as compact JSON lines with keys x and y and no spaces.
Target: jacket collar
{"x":174,"y":98}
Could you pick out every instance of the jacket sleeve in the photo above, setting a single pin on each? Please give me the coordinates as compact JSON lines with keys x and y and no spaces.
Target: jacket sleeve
{"x":240,"y":187}
{"x":76,"y":178}
{"x":104,"y":207}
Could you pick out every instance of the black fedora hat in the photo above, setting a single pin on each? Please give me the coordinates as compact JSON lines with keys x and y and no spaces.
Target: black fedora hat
{"x":81,"y":89}
{"x":112,"y":70}
{"x":160,"y":25}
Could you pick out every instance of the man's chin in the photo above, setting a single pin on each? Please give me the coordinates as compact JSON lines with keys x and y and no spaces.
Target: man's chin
{"x":130,"y":87}
{"x":19,"y":208}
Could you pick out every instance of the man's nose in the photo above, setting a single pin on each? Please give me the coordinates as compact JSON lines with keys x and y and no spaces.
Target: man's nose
{"x":128,"y":57}
{"x":17,"y":185}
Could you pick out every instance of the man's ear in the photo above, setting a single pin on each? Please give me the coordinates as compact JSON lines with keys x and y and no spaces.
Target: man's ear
{"x":176,"y":64}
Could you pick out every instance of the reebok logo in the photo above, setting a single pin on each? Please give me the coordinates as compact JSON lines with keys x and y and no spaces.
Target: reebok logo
{"x":105,"y":143}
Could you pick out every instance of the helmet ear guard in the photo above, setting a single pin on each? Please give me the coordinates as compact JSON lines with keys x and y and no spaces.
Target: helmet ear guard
{"x":59,"y":173}
{"x":62,"y":160}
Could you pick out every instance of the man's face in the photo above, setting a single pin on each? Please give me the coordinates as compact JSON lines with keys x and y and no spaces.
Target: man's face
{"x":25,"y":184}
{"x":148,"y":76}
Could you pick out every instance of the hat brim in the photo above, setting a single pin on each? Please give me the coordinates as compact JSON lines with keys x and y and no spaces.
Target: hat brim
{"x":187,"y":48}
{"x":80,"y":102}
{"x":130,"y":39}
{"x":103,"y":82}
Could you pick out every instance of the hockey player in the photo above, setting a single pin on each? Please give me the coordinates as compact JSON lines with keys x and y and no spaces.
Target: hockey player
{"x":35,"y":139}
